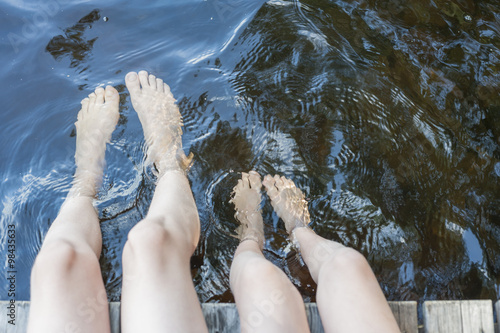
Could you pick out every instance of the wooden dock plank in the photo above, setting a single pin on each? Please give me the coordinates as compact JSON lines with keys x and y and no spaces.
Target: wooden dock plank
{"x":3,"y":316}
{"x":458,"y":316}
{"x":221,"y":318}
{"x":497,"y":309}
{"x":439,"y":316}
{"x":442,"y":317}
{"x":114,"y":316}
{"x":313,"y":318}
{"x":477,"y":316}
{"x":22,"y":312}
{"x":406,"y":316}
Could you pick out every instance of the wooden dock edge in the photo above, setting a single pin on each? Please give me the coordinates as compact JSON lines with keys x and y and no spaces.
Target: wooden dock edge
{"x":438,"y":316}
{"x":458,"y":316}
{"x":497,"y":324}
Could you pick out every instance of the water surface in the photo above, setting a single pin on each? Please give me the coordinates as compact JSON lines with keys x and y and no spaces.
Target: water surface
{"x":385,"y":113}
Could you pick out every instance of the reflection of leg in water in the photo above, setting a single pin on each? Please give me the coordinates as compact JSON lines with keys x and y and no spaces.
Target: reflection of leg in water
{"x":67,"y":291}
{"x":349,"y":297}
{"x":158,"y":293}
{"x":266,"y":300}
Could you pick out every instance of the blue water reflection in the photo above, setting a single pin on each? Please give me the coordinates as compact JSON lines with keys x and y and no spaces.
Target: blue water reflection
{"x":386,"y":114}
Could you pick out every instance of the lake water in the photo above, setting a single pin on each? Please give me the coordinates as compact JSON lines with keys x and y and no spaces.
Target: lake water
{"x":385,"y":113}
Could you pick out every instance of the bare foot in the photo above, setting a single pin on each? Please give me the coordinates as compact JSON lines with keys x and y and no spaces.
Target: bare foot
{"x":288,"y":202}
{"x":246,"y":200}
{"x":161,"y":121}
{"x":96,"y":121}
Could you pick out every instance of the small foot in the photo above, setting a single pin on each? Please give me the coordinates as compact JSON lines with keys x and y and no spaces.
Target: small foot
{"x":288,"y":202}
{"x":161,"y":121}
{"x":96,"y":122}
{"x":246,"y":200}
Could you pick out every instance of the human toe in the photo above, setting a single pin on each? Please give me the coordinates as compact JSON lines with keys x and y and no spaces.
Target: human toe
{"x":278,"y":182}
{"x":287,"y":183}
{"x":84,"y":109}
{"x":254,"y":180}
{"x":92,"y":99}
{"x":144,"y":79}
{"x":85,"y":103}
{"x":99,"y":92}
{"x":166,"y":89}
{"x":111,"y":94}
{"x":269,"y":183}
{"x":152,"y":81}
{"x":133,"y":83}
{"x":245,"y":180}
{"x":240,"y":185}
{"x":159,"y":85}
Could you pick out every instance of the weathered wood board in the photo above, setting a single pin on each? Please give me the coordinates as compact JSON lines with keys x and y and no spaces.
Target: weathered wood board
{"x":497,"y":309}
{"x":439,"y":317}
{"x":406,"y":315}
{"x":458,"y":316}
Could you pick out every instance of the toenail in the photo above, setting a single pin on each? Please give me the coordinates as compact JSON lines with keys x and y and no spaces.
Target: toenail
{"x":109,"y":92}
{"x":132,"y":76}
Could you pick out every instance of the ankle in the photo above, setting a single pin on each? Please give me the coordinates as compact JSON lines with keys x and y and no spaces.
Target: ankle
{"x":251,"y":227}
{"x":83,"y":188}
{"x":251,"y":234}
{"x":174,"y":162}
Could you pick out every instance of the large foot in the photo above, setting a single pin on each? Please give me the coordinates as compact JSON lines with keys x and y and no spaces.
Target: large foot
{"x":96,"y":121}
{"x":246,"y":200}
{"x":161,"y":121}
{"x":288,"y":202}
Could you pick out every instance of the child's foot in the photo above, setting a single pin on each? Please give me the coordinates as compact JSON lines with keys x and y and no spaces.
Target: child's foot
{"x":288,"y":202}
{"x":246,"y":200}
{"x":96,"y":121}
{"x":161,"y":121}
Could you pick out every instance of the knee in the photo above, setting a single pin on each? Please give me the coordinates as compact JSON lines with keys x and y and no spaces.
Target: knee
{"x":150,"y":239}
{"x":147,"y":236}
{"x":345,"y":261}
{"x":249,"y":271}
{"x":57,"y":260}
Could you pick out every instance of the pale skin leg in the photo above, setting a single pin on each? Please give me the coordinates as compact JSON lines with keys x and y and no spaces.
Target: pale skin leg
{"x":67,"y":290}
{"x":349,"y":297}
{"x":158,"y":294}
{"x":266,"y":299}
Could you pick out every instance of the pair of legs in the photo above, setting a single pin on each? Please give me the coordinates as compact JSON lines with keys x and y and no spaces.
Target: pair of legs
{"x":67,"y":290}
{"x":348,"y":296}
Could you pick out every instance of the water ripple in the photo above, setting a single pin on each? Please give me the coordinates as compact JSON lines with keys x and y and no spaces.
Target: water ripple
{"x":384,"y":114}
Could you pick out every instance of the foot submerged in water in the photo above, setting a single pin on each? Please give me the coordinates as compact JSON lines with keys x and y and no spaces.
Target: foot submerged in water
{"x":246,"y":200}
{"x":96,"y":122}
{"x":288,"y":202}
{"x":161,"y":121}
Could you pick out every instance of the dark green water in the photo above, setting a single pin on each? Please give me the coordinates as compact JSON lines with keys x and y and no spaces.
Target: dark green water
{"x":385,"y":113}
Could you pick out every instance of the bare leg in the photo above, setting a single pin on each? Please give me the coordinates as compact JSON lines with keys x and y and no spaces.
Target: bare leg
{"x":349,"y":297}
{"x":67,"y":291}
{"x":266,"y":300}
{"x":158,"y":293}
